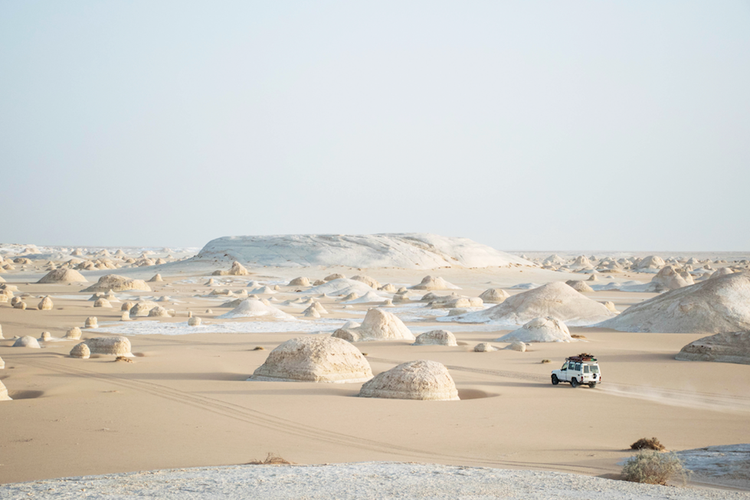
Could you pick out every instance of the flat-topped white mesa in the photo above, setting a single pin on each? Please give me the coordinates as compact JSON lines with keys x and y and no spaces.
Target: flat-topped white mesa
{"x":434,"y":283}
{"x":555,"y":299}
{"x":545,"y":329}
{"x":63,"y":275}
{"x":420,"y":379}
{"x":117,"y":283}
{"x":720,"y":305}
{"x":411,"y":251}
{"x":731,"y":347}
{"x":115,"y":346}
{"x":314,"y":359}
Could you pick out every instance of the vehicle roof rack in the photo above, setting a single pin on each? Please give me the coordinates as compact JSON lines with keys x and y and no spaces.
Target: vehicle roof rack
{"x":581,"y":358}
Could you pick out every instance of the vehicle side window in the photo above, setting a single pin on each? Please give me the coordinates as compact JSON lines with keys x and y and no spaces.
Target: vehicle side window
{"x":585,"y":368}
{"x":572,"y":365}
{"x":578,"y":367}
{"x":564,"y":366}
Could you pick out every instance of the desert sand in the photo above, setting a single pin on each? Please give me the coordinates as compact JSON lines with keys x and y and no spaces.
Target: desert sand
{"x":185,"y":399}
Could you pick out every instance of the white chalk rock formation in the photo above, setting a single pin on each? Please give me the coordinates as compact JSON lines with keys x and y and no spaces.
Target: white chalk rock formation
{"x":300,"y":281}
{"x":311,"y":312}
{"x":158,"y":312}
{"x":194,"y":321}
{"x":1,"y":332}
{"x":731,"y":347}
{"x":671,"y":278}
{"x":438,"y":283}
{"x":102,"y":302}
{"x":579,"y":286}
{"x":388,"y":288}
{"x":2,"y":364}
{"x":118,"y":284}
{"x":383,"y":325}
{"x":545,"y":329}
{"x":81,"y":351}
{"x":411,"y":251}
{"x":20,"y":304}
{"x":142,"y":309}
{"x":116,"y":346}
{"x":367,"y":280}
{"x":611,"y":306}
{"x":251,"y":308}
{"x":721,"y":272}
{"x":45,"y":337}
{"x":516,"y":345}
{"x":556,"y":299}
{"x":420,"y":379}
{"x":334,"y":276}
{"x":720,"y":305}
{"x":63,"y":275}
{"x":156,"y":278}
{"x":91,"y":322}
{"x":73,"y":333}
{"x":341,"y":286}
{"x":45,"y":304}
{"x":4,"y":392}
{"x":650,"y":262}
{"x":436,"y":337}
{"x":237,"y":269}
{"x":314,"y":359}
{"x":494,"y":296}
{"x":26,"y":341}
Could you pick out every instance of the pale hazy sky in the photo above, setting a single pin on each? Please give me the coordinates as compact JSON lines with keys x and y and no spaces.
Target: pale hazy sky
{"x":523,"y":125}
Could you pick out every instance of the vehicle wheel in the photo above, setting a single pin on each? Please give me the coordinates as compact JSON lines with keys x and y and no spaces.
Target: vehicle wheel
{"x":592,"y":384}
{"x":555,"y":380}
{"x":573,"y":382}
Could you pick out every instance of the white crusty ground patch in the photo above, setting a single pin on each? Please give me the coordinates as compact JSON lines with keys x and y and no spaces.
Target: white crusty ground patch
{"x":366,"y":480}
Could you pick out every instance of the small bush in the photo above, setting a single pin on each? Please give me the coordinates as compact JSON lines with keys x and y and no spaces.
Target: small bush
{"x":648,"y":444}
{"x":546,"y":361}
{"x":271,"y":459}
{"x":653,"y":467}
{"x":577,"y":336}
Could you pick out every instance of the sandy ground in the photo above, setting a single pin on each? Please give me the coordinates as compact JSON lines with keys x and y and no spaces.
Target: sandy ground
{"x":185,"y":401}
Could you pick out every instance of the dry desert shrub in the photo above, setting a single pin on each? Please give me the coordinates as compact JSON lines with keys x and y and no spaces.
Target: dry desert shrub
{"x":271,"y":459}
{"x":653,"y":467}
{"x":544,"y":361}
{"x":648,"y":444}
{"x":577,"y":336}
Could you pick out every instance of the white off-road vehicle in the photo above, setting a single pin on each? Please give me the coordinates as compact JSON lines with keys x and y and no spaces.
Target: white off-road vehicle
{"x":577,"y":370}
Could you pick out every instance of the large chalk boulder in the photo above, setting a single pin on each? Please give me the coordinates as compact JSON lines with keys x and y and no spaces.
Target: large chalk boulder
{"x":117,"y":283}
{"x":63,"y":275}
{"x":731,"y":347}
{"x":545,"y":329}
{"x":420,"y":379}
{"x":315,"y":359}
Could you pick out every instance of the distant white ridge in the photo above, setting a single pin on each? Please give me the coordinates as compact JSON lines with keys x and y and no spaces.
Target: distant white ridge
{"x":408,"y":250}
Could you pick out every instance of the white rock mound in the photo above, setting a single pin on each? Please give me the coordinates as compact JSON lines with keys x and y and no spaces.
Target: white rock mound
{"x":382,"y":325}
{"x":579,"y":286}
{"x":117,"y":283}
{"x":63,"y":275}
{"x":420,"y":379}
{"x":341,"y":286}
{"x":4,"y":392}
{"x":115,"y":346}
{"x":252,"y":308}
{"x":494,"y":296}
{"x":237,"y":269}
{"x":45,"y":304}
{"x":484,"y":347}
{"x":556,"y":299}
{"x":412,"y":251}
{"x":81,"y":351}
{"x":545,"y":329}
{"x":436,"y":337}
{"x":73,"y":334}
{"x":27,"y":341}
{"x":434,"y":283}
{"x":671,"y":278}
{"x":731,"y":347}
{"x":314,"y":359}
{"x":720,"y":305}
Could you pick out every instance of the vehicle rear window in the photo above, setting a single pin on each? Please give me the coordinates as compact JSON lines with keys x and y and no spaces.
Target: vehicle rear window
{"x":594,"y":368}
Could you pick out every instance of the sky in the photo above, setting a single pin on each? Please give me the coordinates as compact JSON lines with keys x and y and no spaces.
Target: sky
{"x":534,"y":125}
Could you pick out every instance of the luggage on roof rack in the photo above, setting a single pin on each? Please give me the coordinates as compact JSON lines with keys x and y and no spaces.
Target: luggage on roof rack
{"x":581,"y":357}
